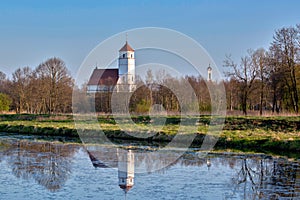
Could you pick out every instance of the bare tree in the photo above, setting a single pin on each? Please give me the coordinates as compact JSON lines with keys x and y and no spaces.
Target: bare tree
{"x":150,"y":84}
{"x":19,"y":91}
{"x":56,"y":83}
{"x":245,"y":74}
{"x":259,"y":63}
{"x":231,"y":94}
{"x":286,"y":43}
{"x":275,"y":78}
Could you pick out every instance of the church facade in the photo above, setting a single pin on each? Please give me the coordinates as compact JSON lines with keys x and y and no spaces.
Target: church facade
{"x":122,"y":79}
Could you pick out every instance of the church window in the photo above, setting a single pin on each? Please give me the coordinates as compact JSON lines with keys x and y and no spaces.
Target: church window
{"x":123,"y":55}
{"x":131,"y":56}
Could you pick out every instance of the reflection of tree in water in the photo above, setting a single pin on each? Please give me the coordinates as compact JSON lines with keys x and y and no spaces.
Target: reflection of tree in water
{"x":259,"y":176}
{"x":286,"y":176}
{"x":265,"y":178}
{"x":49,"y":164}
{"x":4,"y":146}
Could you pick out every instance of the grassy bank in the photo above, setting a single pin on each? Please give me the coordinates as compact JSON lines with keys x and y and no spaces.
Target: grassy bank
{"x":281,"y":134}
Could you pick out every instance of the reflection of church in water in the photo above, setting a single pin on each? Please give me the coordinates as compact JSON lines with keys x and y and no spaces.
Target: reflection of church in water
{"x":128,"y":162}
{"x":126,"y":170}
{"x":124,"y":162}
{"x":50,"y":165}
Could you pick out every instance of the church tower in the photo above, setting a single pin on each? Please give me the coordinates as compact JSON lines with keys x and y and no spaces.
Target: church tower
{"x":126,"y":170}
{"x":127,"y":68}
{"x":209,"y":73}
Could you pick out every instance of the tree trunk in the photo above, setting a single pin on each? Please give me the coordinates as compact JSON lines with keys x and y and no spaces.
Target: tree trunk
{"x":261,"y":101}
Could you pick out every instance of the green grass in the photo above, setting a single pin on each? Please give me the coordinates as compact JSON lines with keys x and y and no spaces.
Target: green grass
{"x":254,"y":133}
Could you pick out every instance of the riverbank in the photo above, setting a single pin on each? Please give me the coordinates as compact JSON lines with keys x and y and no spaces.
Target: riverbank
{"x":263,"y":134}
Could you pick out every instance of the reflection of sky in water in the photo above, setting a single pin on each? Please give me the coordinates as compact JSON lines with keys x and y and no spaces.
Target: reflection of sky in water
{"x":86,"y":182}
{"x":188,"y":178}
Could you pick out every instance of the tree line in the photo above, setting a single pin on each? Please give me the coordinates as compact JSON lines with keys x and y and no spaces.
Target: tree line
{"x":46,"y":89}
{"x":175,"y":95}
{"x":267,"y":79}
{"x":263,"y":80}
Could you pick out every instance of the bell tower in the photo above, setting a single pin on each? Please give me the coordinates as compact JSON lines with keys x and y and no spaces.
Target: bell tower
{"x":127,"y":67}
{"x":209,"y":73}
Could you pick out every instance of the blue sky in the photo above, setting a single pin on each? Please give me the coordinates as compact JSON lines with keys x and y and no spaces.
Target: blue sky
{"x":33,"y":30}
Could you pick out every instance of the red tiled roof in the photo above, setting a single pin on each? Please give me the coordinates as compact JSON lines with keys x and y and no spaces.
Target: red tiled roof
{"x":104,"y":77}
{"x":125,"y":188}
{"x":126,"y":47}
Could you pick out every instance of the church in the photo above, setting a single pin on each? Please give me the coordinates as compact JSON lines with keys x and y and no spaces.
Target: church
{"x":122,"y":78}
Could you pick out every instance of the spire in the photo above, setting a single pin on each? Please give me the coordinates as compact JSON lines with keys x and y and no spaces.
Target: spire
{"x":126,"y":47}
{"x":209,"y":67}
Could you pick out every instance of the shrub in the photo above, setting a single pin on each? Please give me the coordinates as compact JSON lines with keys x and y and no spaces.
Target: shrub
{"x":5,"y":102}
{"x":143,"y":106}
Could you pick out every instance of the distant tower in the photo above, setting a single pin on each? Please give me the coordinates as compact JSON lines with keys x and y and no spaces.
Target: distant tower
{"x":209,"y":73}
{"x":127,"y":67}
{"x":126,"y":170}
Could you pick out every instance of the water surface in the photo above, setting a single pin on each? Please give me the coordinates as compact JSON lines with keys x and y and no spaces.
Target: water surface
{"x":33,"y":169}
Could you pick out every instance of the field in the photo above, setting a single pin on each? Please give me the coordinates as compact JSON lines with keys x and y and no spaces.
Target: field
{"x":265,"y":134}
